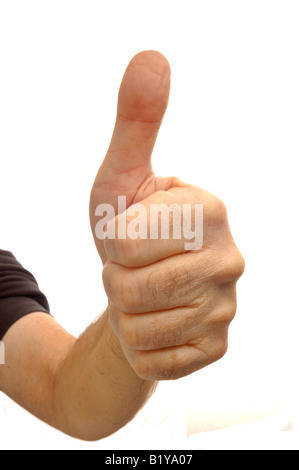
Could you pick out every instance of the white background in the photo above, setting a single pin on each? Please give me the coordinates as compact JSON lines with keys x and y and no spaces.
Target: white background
{"x":231,"y":127}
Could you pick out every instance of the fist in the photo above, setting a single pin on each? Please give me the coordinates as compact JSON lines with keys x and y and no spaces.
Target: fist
{"x":171,"y":298}
{"x":171,"y":308}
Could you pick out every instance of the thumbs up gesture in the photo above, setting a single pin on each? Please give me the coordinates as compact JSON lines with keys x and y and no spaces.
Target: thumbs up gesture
{"x":170,"y":262}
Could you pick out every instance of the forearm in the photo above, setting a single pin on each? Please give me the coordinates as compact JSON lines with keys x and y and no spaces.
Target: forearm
{"x":96,"y":391}
{"x":83,"y":387}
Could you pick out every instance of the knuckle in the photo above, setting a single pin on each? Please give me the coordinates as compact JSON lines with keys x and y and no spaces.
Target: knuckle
{"x":221,"y":349}
{"x":215,"y":211}
{"x":123,"y":251}
{"x":125,"y":296}
{"x":124,"y":327}
{"x":236,"y":265}
{"x":214,"y":346}
{"x":127,"y":333}
{"x":148,"y":368}
{"x":141,"y":366}
{"x":230,"y":268}
{"x":120,"y":288}
{"x":224,"y":318}
{"x":231,"y":312}
{"x":137,"y":333}
{"x":240,"y":265}
{"x":124,"y":243}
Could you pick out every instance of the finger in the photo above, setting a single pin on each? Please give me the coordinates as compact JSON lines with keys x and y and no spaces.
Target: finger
{"x":175,"y":362}
{"x":164,"y":285}
{"x":193,"y":325}
{"x":179,"y":281}
{"x":142,"y":102}
{"x":157,"y":330}
{"x":153,"y":330}
{"x":166,"y":223}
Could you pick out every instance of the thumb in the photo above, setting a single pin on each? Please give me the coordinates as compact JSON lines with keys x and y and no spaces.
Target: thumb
{"x":142,"y":102}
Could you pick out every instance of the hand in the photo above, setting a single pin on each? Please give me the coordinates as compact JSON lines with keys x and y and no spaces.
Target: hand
{"x":127,"y":170}
{"x":170,"y":308}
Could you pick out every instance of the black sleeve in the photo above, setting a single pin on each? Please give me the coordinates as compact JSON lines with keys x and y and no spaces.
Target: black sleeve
{"x":19,"y":292}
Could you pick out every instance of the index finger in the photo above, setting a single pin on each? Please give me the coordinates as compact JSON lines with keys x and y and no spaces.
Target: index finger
{"x":167,"y":223}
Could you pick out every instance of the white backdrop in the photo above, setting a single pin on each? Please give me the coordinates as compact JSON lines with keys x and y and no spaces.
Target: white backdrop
{"x":231,"y":127}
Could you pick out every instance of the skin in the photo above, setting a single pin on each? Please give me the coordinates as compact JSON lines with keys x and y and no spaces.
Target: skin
{"x":168,"y":309}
